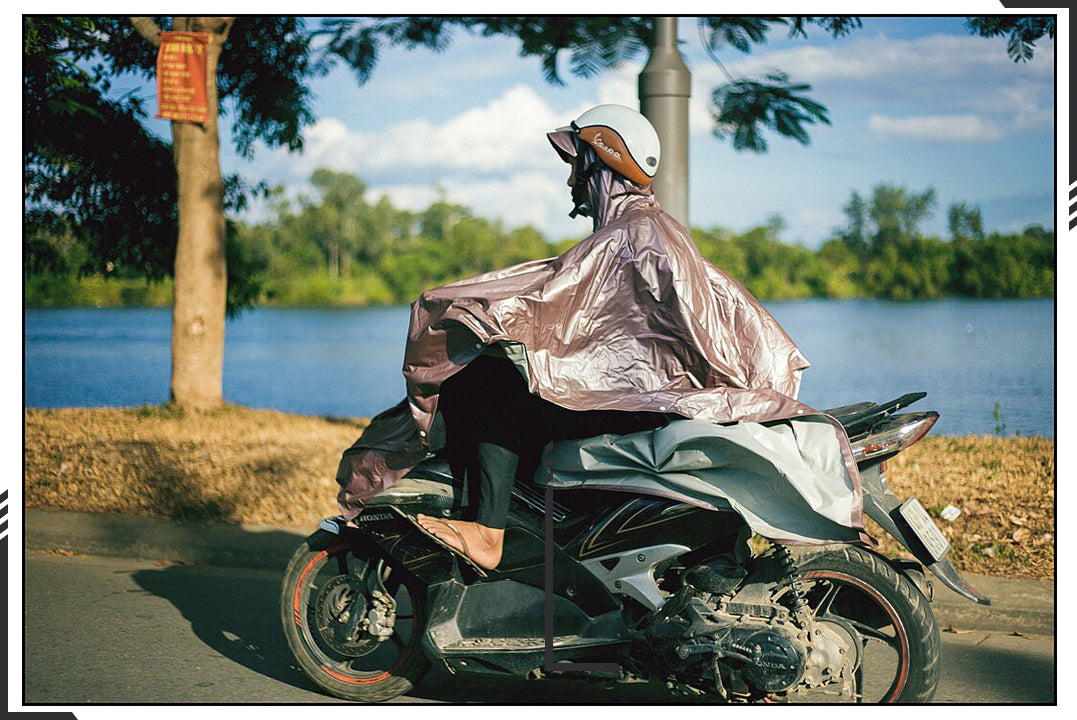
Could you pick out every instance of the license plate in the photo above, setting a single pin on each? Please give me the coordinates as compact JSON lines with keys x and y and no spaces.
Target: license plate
{"x":925,"y":528}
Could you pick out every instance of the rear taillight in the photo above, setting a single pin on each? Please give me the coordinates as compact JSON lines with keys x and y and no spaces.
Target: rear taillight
{"x":893,"y":437}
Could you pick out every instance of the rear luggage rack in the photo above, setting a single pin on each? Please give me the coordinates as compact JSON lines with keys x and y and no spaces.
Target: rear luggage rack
{"x":858,"y":419}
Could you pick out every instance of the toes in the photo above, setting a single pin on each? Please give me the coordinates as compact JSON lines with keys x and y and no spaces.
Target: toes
{"x":427,"y":522}
{"x":448,"y":538}
{"x":439,"y":529}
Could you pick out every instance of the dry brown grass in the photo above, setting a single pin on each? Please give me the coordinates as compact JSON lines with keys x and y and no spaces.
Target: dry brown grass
{"x":258,"y":466}
{"x":1005,"y":489}
{"x":230,"y":465}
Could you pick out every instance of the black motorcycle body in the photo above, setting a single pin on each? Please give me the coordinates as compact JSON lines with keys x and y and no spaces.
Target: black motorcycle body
{"x":629,"y":587}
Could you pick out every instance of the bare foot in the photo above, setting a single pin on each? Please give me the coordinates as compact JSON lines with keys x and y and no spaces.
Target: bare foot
{"x":480,"y":543}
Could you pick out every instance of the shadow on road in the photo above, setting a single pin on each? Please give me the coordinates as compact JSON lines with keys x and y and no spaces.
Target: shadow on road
{"x":997,"y":661}
{"x":441,"y":685}
{"x":234,"y":611}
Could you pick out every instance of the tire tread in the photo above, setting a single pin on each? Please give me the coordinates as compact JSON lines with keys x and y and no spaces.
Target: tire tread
{"x":924,"y":640}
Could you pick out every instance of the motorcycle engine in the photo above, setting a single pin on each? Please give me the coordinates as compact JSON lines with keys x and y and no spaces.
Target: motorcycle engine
{"x":748,"y":643}
{"x":768,"y":655}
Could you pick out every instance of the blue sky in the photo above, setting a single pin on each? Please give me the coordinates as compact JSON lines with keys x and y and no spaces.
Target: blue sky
{"x":913,"y":101}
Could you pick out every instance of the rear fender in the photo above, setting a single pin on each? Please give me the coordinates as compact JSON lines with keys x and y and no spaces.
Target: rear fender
{"x":882,"y":506}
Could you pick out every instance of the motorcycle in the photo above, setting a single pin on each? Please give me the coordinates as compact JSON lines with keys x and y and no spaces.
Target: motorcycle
{"x":623,"y":587}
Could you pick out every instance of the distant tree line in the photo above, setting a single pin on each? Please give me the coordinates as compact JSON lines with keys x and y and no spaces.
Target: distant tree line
{"x":882,"y":253}
{"x":336,"y":247}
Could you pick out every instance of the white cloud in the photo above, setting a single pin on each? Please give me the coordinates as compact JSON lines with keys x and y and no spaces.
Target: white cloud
{"x":974,"y":91}
{"x":936,"y":128}
{"x":520,"y":199}
{"x":620,"y":87}
{"x":506,"y":133}
{"x":451,"y":70}
{"x":872,"y":59}
{"x":493,"y":158}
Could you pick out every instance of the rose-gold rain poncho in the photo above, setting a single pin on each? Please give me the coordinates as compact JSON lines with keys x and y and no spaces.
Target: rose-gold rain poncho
{"x":632,"y":318}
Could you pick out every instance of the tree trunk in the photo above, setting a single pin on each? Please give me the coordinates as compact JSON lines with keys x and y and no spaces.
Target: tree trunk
{"x":200,"y":286}
{"x":200,"y":276}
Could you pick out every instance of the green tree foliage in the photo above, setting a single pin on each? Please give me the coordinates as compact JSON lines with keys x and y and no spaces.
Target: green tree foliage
{"x":337,"y":247}
{"x":965,"y":221}
{"x":92,"y":166}
{"x":1005,"y":265}
{"x":100,"y":188}
{"x":79,"y":143}
{"x":897,"y":213}
{"x":894,"y":260}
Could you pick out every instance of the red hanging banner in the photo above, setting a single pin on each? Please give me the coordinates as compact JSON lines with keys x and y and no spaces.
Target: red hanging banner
{"x":181,"y":77}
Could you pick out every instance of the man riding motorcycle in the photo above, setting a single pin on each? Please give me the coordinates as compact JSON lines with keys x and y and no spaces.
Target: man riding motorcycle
{"x":670,"y":395}
{"x":628,"y":328}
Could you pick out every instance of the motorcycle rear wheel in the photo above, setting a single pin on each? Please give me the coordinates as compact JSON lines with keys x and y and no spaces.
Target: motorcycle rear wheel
{"x":891,"y":615}
{"x":324,"y":582}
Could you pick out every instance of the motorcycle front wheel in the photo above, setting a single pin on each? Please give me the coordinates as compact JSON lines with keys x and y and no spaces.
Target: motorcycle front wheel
{"x":901,"y":644}
{"x":352,"y":623}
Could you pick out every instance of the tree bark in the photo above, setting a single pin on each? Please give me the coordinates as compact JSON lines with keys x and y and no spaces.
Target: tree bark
{"x":200,"y":276}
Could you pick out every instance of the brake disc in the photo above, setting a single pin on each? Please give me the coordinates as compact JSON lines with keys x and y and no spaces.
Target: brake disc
{"x":340,"y":611}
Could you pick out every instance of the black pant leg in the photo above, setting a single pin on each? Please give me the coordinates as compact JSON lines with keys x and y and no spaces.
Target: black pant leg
{"x":490,"y":414}
{"x":489,"y":407}
{"x":497,"y":473}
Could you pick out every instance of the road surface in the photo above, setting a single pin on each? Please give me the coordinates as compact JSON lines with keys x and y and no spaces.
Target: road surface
{"x":106,"y":630}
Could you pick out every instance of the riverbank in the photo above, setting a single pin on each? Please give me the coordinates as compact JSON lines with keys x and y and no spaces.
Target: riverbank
{"x":240,"y":465}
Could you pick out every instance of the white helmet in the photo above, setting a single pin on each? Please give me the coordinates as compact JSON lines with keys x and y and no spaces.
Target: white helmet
{"x":622,"y":139}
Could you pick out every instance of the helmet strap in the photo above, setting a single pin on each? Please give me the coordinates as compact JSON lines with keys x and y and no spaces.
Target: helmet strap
{"x":581,"y":199}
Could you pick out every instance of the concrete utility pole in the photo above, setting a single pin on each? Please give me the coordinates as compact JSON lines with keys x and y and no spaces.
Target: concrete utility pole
{"x":664,"y":88}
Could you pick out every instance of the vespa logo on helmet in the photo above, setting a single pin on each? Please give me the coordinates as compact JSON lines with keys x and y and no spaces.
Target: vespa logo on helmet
{"x":598,"y":143}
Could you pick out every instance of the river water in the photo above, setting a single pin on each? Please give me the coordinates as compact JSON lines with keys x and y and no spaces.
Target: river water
{"x":988,"y":366}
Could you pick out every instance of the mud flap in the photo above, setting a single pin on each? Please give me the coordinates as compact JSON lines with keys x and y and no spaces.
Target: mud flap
{"x":884,"y":507}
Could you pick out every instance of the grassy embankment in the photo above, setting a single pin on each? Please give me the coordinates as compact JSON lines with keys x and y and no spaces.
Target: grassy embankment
{"x":314,"y":290}
{"x":257,"y":466}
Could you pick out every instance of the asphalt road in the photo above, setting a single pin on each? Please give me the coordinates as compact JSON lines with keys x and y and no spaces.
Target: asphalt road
{"x":108,"y":631}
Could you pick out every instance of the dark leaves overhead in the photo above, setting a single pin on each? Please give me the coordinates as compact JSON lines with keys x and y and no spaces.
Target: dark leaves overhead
{"x":741,"y":32}
{"x":593,"y":43}
{"x":1022,"y":32}
{"x":738,"y":32}
{"x":358,"y":41}
{"x":742,"y":109}
{"x":87,"y":155}
{"x":263,"y":73}
{"x":746,"y":107}
{"x":835,"y":25}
